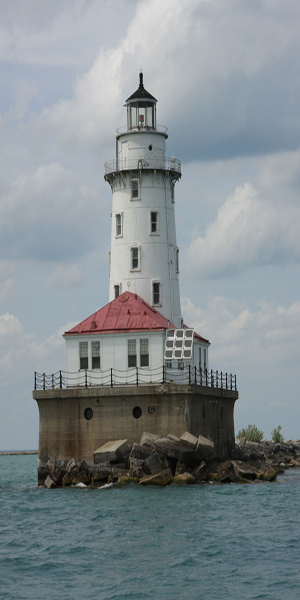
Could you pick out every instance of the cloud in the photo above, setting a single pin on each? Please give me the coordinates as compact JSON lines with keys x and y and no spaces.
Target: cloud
{"x":66,"y":276}
{"x":48,"y":216}
{"x":226,"y":81}
{"x":264,"y":340}
{"x":248,"y":231}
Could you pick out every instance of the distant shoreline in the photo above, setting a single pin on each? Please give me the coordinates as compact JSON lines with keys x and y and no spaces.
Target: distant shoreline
{"x":17,"y":452}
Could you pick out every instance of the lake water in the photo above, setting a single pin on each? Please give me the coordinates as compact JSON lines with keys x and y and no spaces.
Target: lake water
{"x":209,"y":542}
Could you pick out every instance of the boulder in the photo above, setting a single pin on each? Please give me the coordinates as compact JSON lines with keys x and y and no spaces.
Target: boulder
{"x":244,"y":471}
{"x":156,"y":463}
{"x":81,"y":477}
{"x":112,"y":451}
{"x":181,"y":467}
{"x":173,"y":450}
{"x":200,"y":471}
{"x":163,"y":478}
{"x":140,"y":452}
{"x":174,"y":438}
{"x":137,"y":468}
{"x":126,"y":480}
{"x":189,"y":440}
{"x":204,"y":448}
{"x":184,"y":478}
{"x":148,"y":438}
{"x":101,"y":472}
{"x":49,"y":483}
{"x":69,"y":477}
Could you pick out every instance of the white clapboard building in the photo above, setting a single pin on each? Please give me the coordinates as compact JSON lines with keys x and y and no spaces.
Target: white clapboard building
{"x":141,"y":328}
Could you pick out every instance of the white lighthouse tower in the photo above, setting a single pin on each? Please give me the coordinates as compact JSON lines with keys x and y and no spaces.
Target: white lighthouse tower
{"x":144,"y":255}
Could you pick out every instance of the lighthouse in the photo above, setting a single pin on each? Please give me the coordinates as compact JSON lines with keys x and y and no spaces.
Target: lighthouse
{"x":144,"y":257}
{"x":134,"y":365}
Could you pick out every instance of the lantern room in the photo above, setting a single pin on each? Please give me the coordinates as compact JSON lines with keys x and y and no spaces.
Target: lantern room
{"x":141,"y":109}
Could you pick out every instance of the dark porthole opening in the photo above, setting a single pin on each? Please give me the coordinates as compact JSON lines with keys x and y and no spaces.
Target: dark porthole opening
{"x":137,"y":412}
{"x":88,"y":414}
{"x":150,"y":147}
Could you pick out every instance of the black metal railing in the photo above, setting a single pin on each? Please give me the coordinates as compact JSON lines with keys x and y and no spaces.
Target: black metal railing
{"x":134,"y":377}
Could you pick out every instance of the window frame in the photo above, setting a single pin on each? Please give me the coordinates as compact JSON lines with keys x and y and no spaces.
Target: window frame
{"x":118,"y":235}
{"x":130,"y":356}
{"x":119,"y":286}
{"x":138,"y":248}
{"x":153,"y":212}
{"x":96,"y":356}
{"x":134,"y":180}
{"x":144,"y":354}
{"x":153,"y":283}
{"x":177,"y":259}
{"x":83,"y":356}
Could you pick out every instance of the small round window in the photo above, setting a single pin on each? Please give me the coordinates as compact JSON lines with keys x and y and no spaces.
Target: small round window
{"x":88,"y":414}
{"x":137,"y":412}
{"x":150,"y":147}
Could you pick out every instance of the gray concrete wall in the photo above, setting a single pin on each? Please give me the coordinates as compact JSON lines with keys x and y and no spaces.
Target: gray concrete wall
{"x":65,"y":433}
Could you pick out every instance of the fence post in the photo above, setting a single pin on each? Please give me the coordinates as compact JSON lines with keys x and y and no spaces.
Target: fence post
{"x":163,"y":373}
{"x":44,"y":381}
{"x":189,"y":374}
{"x":235,"y":382}
{"x":206,"y":377}
{"x":60,"y":380}
{"x":226,"y":382}
{"x":217,"y":379}
{"x":85,"y":378}
{"x":212,"y":378}
{"x":231,"y":381}
{"x":111,"y":378}
{"x":195,"y":375}
{"x":137,"y":376}
{"x":35,"y":380}
{"x":200,"y":375}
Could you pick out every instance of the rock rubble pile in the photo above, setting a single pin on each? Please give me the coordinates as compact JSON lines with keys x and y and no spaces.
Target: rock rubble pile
{"x":180,"y":461}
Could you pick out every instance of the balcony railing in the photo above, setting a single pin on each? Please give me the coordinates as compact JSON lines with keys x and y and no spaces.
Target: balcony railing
{"x":135,"y":377}
{"x":128,"y":164}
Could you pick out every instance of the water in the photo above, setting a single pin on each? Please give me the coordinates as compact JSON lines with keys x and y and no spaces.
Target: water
{"x":133,"y":543}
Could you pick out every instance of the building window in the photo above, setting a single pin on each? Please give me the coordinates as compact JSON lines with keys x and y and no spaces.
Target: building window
{"x":144,"y":351}
{"x":177,"y":259}
{"x":117,"y":289}
{"x":135,"y":189}
{"x":131,"y":353}
{"x":95,"y":355}
{"x":84,"y":355}
{"x":156,"y":293}
{"x":153,"y":222}
{"x":204,"y":359}
{"x":119,"y":231}
{"x":135,"y":258}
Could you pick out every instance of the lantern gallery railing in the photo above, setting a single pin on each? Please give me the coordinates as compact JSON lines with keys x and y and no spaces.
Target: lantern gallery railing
{"x":135,"y":376}
{"x":128,"y":164}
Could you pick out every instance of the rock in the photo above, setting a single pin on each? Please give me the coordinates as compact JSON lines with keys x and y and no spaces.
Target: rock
{"x":148,"y":438}
{"x":101,"y":472}
{"x":49,"y":483}
{"x":244,"y":471}
{"x":181,"y":467}
{"x":163,"y":478}
{"x":226,"y":472}
{"x":112,"y":451}
{"x":117,"y":472}
{"x":200,"y":472}
{"x":204,"y":448}
{"x":156,"y":463}
{"x":69,"y":477}
{"x":189,"y":440}
{"x":184,"y":478}
{"x":137,"y":468}
{"x":126,"y":480}
{"x":140,"y":452}
{"x":81,"y":477}
{"x":173,"y":450}
{"x":174,"y":438}
{"x":71,"y":465}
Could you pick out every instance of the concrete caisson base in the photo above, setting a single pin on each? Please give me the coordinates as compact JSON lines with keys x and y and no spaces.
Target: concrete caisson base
{"x":68,"y":430}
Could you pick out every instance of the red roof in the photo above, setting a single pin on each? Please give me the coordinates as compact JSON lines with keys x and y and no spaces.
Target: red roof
{"x":127,"y":313}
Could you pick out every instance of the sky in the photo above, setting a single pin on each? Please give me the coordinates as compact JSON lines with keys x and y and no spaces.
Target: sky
{"x":226,"y":76}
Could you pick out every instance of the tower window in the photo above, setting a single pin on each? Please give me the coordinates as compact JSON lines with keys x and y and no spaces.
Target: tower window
{"x":144,"y":352}
{"x":117,"y":289}
{"x":135,"y":189}
{"x":131,"y":353}
{"x":156,"y":293}
{"x":177,"y":259}
{"x":95,"y":355}
{"x":135,"y":258}
{"x":119,"y":231}
{"x":83,"y":355}
{"x":154,"y":222}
